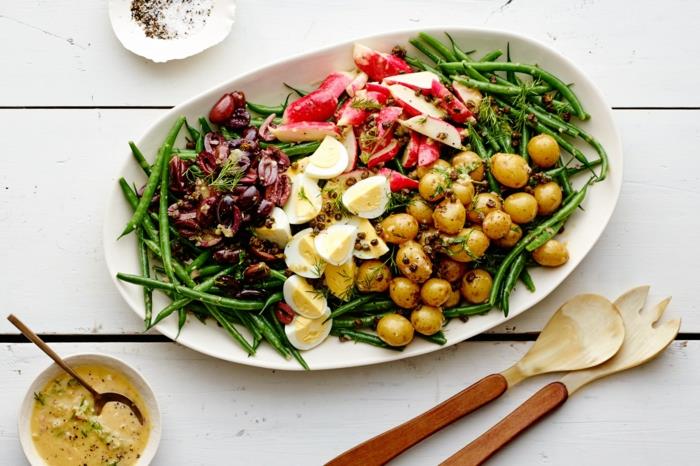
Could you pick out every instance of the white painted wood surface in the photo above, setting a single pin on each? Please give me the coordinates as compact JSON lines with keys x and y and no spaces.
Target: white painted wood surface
{"x":242,"y":415}
{"x":58,"y":164}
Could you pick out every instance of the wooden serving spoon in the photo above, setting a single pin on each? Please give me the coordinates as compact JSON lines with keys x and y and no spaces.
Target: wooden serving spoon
{"x":643,"y":341}
{"x":584,"y":332}
{"x":100,"y":399}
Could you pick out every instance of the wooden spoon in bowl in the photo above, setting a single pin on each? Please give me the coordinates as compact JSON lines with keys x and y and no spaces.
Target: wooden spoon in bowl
{"x":100,"y":399}
{"x":584,"y":332}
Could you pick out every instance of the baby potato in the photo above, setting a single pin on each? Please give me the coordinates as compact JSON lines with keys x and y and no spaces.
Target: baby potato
{"x":439,"y":164}
{"x":551,"y":254}
{"x":427,"y":320}
{"x":420,"y":210}
{"x":450,"y":269}
{"x":548,"y":197}
{"x":510,"y":170}
{"x":482,"y":204}
{"x":395,"y":330}
{"x":522,"y":207}
{"x":433,"y":186}
{"x":476,"y":286}
{"x":454,"y":299}
{"x":373,"y":276}
{"x":470,"y":244}
{"x":449,"y":216}
{"x":543,"y":150}
{"x":413,"y":263}
{"x":463,"y":190}
{"x":510,"y":239}
{"x":472,"y":163}
{"x":397,"y":228}
{"x":435,"y":291}
{"x":496,"y":224}
{"x":404,"y":292}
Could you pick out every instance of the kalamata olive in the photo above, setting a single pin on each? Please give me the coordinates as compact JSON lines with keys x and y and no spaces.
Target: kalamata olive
{"x":284,"y":313}
{"x":258,"y":270}
{"x":178,"y":181}
{"x":205,"y":211}
{"x":279,"y":192}
{"x":206,"y":161}
{"x":249,"y":294}
{"x":279,"y":155}
{"x":240,"y":119}
{"x":227,"y":256}
{"x":267,"y":170}
{"x":212,"y":140}
{"x":264,"y":209}
{"x":222,"y":109}
{"x":224,"y":210}
{"x":249,"y":198}
{"x":250,"y":133}
{"x":208,"y":240}
{"x":250,"y":177}
{"x":238,"y":99}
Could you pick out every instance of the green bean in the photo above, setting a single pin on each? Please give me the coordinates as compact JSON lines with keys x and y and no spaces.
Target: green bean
{"x":140,"y":159}
{"x":491,"y":56}
{"x":249,"y":324}
{"x":164,"y":221}
{"x":267,"y":284}
{"x":146,"y":272}
{"x":377,"y":306}
{"x":553,"y":122}
{"x":265,"y":110}
{"x":190,"y":293}
{"x":420,"y":45}
{"x":571,"y":171}
{"x":363,"y":337}
{"x":204,"y":124}
{"x":278,"y":275}
{"x":534,"y":71}
{"x":524,"y":139}
{"x":299,"y":92}
{"x":493,"y":142}
{"x":459,"y":53}
{"x":416,"y":63}
{"x":510,"y":75}
{"x":194,"y":134}
{"x":437,"y":338}
{"x":438,"y":46}
{"x":133,"y":201}
{"x":399,"y":167}
{"x":564,"y":180}
{"x":305,"y":148}
{"x":472,"y":309}
{"x":153,"y":179}
{"x":230,"y":329}
{"x":500,"y":88}
{"x":277,"y":326}
{"x":556,"y":104}
{"x":181,"y":321}
{"x":270,"y":335}
{"x":351,"y":306}
{"x":475,"y":139}
{"x":510,"y":280}
{"x":546,"y":234}
{"x":177,"y":236}
{"x":272,"y":299}
{"x":206,"y":271}
{"x":199,"y":144}
{"x":198,"y":261}
{"x":358,"y":322}
{"x":526,"y":278}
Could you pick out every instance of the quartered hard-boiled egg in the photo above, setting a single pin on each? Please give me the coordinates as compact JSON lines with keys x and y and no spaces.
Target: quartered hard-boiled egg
{"x":304,"y":333}
{"x":329,"y":160}
{"x":303,"y":298}
{"x":336,"y":243}
{"x":371,"y":246}
{"x":368,"y":198}
{"x":340,"y":279}
{"x":301,"y":256}
{"x":305,"y":200}
{"x":279,"y":232}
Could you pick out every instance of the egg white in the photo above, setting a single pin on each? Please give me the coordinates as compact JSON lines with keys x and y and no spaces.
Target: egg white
{"x":304,"y":333}
{"x":305,"y":200}
{"x":280,"y":232}
{"x":358,"y":189}
{"x":336,"y":236}
{"x":306,"y":263}
{"x":298,"y":286}
{"x":328,"y":161}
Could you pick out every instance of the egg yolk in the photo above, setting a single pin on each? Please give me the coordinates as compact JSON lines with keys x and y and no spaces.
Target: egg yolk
{"x":340,"y":243}
{"x":326,"y":155}
{"x":307,"y":251}
{"x":308,"y":301}
{"x":308,"y":330}
{"x":367,"y":199}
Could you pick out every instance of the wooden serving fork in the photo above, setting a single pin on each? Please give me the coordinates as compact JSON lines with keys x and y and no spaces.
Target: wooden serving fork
{"x":643,"y":341}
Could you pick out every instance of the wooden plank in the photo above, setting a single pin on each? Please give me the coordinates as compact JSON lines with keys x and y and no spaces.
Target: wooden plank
{"x":53,"y":198}
{"x":64,"y":52}
{"x":240,"y":415}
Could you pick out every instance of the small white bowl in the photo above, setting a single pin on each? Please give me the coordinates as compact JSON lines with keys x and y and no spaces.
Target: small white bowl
{"x":145,"y":390}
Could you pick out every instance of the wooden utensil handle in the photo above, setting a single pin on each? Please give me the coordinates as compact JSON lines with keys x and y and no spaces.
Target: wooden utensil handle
{"x":390,"y":444}
{"x":535,"y":408}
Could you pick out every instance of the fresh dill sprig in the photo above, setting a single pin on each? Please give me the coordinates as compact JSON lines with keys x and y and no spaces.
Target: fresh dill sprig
{"x":229,"y":175}
{"x":365,"y":104}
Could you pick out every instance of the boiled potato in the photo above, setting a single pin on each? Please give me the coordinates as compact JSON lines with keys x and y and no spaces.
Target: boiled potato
{"x":420,"y":210}
{"x":413,"y":262}
{"x":433,"y":186}
{"x":435,"y":291}
{"x":468,"y":245}
{"x":454,"y":299}
{"x":398,"y":228}
{"x":551,"y":254}
{"x":496,"y":224}
{"x":471,"y":162}
{"x":511,"y":239}
{"x":373,"y":276}
{"x":395,"y":330}
{"x":404,"y":292}
{"x":427,"y":320}
{"x":543,"y":150}
{"x":463,"y":190}
{"x":450,"y":269}
{"x":438,"y":165}
{"x":476,"y":286}
{"x":522,"y":207}
{"x":449,"y":216}
{"x":510,"y":170}
{"x":548,"y":197}
{"x":482,"y":204}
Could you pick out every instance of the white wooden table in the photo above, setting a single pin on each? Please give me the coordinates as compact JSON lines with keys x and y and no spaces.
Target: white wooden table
{"x":70,"y":97}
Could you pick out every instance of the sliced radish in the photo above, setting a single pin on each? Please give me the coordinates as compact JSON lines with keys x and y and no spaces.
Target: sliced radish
{"x":448,"y":102}
{"x":414,"y":104}
{"x":319,"y":105}
{"x":378,"y":65}
{"x":385,"y":154}
{"x":422,"y":80}
{"x":336,"y":82}
{"x":410,"y":154}
{"x":305,"y":131}
{"x":376,"y":87}
{"x":351,"y":116}
{"x":386,"y":119}
{"x":397,"y":181}
{"x":350,"y":142}
{"x":428,"y":152}
{"x":468,"y":95}
{"x":357,"y":83}
{"x":439,"y":130}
